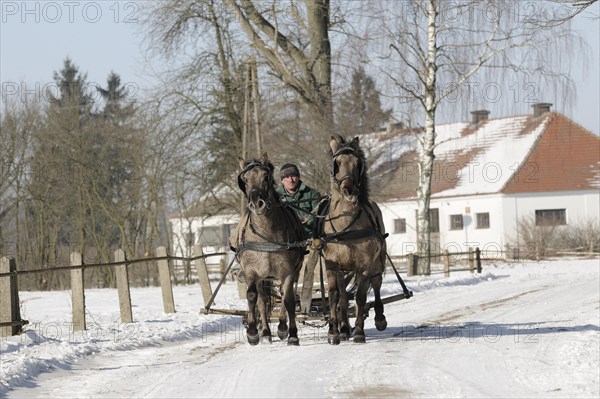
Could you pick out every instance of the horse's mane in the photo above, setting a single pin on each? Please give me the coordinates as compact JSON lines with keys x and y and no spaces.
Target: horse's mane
{"x":363,"y":195}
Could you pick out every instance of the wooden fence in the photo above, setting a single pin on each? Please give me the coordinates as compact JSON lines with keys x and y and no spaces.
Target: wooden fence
{"x":472,"y":258}
{"x":11,"y":322}
{"x":10,"y":318}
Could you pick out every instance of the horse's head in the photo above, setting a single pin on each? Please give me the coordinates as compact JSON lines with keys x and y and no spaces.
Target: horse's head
{"x":348,"y":169}
{"x":256,"y":181}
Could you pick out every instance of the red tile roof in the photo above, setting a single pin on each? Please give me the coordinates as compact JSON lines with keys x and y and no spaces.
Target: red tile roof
{"x":509,"y":155}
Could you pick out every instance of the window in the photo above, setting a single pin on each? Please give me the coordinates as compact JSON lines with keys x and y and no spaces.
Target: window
{"x":434,"y":221}
{"x":399,"y":226}
{"x":550,"y":217}
{"x":483,"y":220}
{"x":456,"y":222}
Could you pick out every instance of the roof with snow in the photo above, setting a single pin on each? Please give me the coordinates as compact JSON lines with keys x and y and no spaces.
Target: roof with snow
{"x":526,"y":153}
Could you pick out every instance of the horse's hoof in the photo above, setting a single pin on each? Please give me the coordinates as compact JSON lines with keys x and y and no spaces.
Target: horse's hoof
{"x":293,"y":341}
{"x":359,"y":339}
{"x":282,"y":334}
{"x":266,"y":339}
{"x":381,"y":324}
{"x":333,"y":339}
{"x":253,"y":339}
{"x":343,"y":337}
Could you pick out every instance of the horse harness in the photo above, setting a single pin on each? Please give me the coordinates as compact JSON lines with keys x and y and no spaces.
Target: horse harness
{"x":268,"y":245}
{"x":347,"y":149}
{"x":321,"y":239}
{"x":346,"y":233}
{"x":251,"y":165}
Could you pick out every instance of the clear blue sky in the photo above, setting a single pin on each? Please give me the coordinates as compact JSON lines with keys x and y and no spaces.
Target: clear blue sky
{"x":104,"y":36}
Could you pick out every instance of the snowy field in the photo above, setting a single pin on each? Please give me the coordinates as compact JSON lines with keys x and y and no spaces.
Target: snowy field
{"x":516,"y":330}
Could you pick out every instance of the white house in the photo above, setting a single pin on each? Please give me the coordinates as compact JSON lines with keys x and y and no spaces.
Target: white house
{"x":488,"y":174}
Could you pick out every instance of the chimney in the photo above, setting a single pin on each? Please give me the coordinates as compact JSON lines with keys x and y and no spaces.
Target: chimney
{"x":540,"y":109}
{"x":479,"y":115}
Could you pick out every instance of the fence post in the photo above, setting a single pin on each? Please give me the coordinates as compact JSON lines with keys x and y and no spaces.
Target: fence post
{"x":471,"y":260}
{"x":165,"y":281}
{"x":478,"y":259}
{"x":410,"y":261}
{"x":123,"y":287}
{"x":77,"y":293}
{"x":222,"y":268}
{"x":446,"y":263}
{"x":9,"y":298}
{"x":202,"y":271}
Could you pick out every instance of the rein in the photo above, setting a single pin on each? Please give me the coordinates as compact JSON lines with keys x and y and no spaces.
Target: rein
{"x":267,"y":245}
{"x":347,"y":234}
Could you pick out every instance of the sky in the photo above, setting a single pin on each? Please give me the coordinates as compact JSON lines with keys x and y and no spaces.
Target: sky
{"x":517,"y":330}
{"x":105,"y":36}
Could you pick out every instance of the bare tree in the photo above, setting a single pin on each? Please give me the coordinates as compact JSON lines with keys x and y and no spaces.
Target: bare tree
{"x":300,"y":56}
{"x":569,"y":10}
{"x":441,"y":46}
{"x":20,"y":119}
{"x":206,"y":87}
{"x":201,"y":96}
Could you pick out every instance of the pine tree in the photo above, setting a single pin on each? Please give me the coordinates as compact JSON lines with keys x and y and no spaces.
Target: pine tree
{"x":359,"y":109}
{"x":116,"y":107}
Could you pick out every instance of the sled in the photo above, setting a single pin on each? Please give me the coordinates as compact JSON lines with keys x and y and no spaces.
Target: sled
{"x":319,"y":307}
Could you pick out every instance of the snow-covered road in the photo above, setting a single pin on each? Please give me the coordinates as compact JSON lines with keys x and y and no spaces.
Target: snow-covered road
{"x":515,"y":331}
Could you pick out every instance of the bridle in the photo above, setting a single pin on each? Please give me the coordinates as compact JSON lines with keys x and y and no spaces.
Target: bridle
{"x":261,"y":192}
{"x":347,"y":149}
{"x":267,"y":244}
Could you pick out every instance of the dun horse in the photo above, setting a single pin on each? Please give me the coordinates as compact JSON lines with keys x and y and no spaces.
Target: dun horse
{"x":267,"y":244}
{"x":353,"y":240}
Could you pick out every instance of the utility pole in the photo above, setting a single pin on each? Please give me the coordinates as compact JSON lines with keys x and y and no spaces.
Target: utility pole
{"x":251,"y":95}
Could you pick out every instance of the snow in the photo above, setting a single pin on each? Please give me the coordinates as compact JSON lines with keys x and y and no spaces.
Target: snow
{"x":504,"y":149}
{"x":516,"y":330}
{"x":484,"y":160}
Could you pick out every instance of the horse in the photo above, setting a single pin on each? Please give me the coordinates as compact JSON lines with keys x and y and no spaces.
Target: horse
{"x":352,"y":240}
{"x":268,"y":244}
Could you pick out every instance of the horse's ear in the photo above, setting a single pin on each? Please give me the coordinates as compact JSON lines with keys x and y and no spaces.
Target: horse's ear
{"x":264,"y":158}
{"x":355,"y":142}
{"x":241,"y":162}
{"x":334,"y":144}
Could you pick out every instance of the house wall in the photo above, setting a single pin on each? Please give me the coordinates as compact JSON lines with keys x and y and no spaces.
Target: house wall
{"x":181,"y":227}
{"x":453,"y":240}
{"x":504,"y":212}
{"x":581,"y":207}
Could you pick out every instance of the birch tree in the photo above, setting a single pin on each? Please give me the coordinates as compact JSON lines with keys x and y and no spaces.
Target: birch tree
{"x":442,"y":46}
